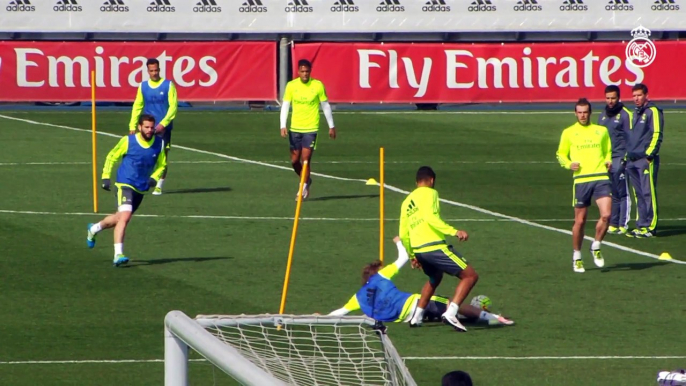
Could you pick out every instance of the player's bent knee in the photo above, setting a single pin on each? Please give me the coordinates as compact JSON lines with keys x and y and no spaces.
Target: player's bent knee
{"x":470,"y":274}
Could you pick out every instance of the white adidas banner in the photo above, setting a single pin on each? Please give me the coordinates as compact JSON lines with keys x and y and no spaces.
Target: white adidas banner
{"x":232,"y":16}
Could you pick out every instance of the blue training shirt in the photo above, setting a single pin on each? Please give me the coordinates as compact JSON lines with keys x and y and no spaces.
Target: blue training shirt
{"x":381,"y":300}
{"x":156,"y":99}
{"x":139,"y":163}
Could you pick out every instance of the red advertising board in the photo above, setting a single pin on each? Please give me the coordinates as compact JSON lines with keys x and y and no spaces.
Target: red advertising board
{"x":508,"y":72}
{"x":202,"y":71}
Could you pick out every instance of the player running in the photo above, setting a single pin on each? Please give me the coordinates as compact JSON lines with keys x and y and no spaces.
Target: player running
{"x":142,"y":163}
{"x":381,"y":300}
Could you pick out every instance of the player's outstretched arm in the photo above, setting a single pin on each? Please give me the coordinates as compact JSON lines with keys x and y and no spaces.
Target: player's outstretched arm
{"x":390,"y":271}
{"x":352,"y":305}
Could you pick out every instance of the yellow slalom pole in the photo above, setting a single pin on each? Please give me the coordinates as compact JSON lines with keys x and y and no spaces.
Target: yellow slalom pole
{"x":293,"y":236}
{"x":381,"y":203}
{"x":95,"y":146}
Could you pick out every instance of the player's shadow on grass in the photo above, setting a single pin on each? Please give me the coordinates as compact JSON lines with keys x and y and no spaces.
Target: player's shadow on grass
{"x":199,"y":190}
{"x":671,"y":230}
{"x":135,"y":263}
{"x":348,"y":197}
{"x":629,"y":266}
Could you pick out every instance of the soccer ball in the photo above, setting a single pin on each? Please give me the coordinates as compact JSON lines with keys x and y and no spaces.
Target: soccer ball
{"x":482,"y":302}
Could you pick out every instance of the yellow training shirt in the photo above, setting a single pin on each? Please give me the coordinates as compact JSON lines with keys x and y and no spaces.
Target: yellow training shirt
{"x":421,"y":227}
{"x":590,"y":146}
{"x":305,"y":99}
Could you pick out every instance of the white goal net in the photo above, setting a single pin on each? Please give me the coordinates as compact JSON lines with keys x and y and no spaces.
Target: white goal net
{"x":285,"y":350}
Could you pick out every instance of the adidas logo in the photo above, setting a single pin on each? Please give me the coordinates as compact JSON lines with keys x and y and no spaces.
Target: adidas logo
{"x":207,"y":6}
{"x":573,"y":5}
{"x":619,"y":5}
{"x":665,"y":5}
{"x":20,"y":6}
{"x":436,"y":6}
{"x":114,"y":6}
{"x":528,"y":5}
{"x":481,"y":6}
{"x":67,"y":6}
{"x":390,"y":6}
{"x":411,"y":209}
{"x":345,"y":6}
{"x":161,"y":6}
{"x":252,"y":6}
{"x":298,"y":6}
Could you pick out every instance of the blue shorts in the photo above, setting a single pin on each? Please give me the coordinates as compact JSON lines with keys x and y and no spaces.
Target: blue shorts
{"x":167,"y":135}
{"x":298,"y":141}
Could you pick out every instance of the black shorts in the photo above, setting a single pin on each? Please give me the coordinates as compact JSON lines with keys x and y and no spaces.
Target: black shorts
{"x":441,"y":260}
{"x":586,"y":192}
{"x":437,"y":306}
{"x":302,"y":140}
{"x":128,"y":200}
{"x":167,"y":135}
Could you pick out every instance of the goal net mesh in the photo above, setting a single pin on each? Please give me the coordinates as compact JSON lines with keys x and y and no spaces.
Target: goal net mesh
{"x":307,"y":350}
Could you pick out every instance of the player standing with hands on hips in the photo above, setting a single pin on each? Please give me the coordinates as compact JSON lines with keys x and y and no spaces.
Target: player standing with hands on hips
{"x":305,"y":94}
{"x":156,"y":97}
{"x":585,"y":148}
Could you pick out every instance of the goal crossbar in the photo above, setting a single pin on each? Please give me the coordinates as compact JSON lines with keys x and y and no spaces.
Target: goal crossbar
{"x":280,"y":350}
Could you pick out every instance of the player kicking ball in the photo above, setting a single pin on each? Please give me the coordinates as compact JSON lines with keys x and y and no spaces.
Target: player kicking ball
{"x":382,"y":301}
{"x":142,"y":163}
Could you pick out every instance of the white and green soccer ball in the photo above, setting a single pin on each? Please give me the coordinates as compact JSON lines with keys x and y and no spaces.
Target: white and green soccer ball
{"x":482,"y":302}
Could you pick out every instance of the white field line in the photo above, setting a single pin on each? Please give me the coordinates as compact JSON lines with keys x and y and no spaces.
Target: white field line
{"x":277,"y":218}
{"x":338,"y":111}
{"x":475,"y":358}
{"x":389,"y":187}
{"x":343,"y":162}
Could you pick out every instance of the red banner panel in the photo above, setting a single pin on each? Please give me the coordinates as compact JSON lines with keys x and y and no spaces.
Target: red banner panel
{"x":202,"y":71}
{"x":459,"y":73}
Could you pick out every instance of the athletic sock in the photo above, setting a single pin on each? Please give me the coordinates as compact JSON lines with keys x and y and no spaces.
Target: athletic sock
{"x":95,"y":228}
{"x":485,"y":315}
{"x":595,"y":245}
{"x":118,"y":249}
{"x":160,"y":183}
{"x":418,"y":315}
{"x":452,"y":309}
{"x":576,"y":255}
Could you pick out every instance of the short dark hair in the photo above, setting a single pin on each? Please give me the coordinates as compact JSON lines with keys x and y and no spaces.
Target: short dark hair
{"x":370,"y":270}
{"x":152,"y":61}
{"x":146,"y":117}
{"x":583,"y":102}
{"x":425,"y":173}
{"x":640,"y":86}
{"x":305,"y":63}
{"x":612,"y":88}
{"x":456,"y":378}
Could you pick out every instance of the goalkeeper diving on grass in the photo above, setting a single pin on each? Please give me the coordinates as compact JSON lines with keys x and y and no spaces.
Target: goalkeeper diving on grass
{"x":382,"y":301}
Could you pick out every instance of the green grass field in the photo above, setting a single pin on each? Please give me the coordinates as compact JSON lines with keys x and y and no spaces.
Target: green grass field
{"x":217,"y":242}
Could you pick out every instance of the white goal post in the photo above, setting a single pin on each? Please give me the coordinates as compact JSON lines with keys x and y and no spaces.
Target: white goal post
{"x":284,"y":350}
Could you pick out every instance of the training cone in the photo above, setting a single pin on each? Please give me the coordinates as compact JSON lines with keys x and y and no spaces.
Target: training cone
{"x":665,"y":256}
{"x":372,"y":181}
